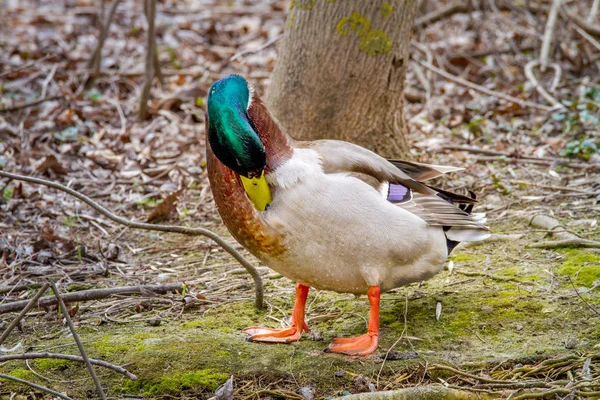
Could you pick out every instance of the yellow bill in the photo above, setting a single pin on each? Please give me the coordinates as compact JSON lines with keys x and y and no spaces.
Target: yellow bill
{"x":258,"y":191}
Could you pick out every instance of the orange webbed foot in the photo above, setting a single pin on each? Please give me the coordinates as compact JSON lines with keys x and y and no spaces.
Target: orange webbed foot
{"x":268,"y":335}
{"x":354,"y":346}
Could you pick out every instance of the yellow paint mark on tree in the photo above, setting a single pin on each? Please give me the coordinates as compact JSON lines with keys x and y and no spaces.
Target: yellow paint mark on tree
{"x":355,"y":22}
{"x":386,"y":10}
{"x":291,"y":19}
{"x":376,"y":41}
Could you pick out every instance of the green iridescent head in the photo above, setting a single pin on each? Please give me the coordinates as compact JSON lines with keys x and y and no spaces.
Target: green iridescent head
{"x":231,"y":133}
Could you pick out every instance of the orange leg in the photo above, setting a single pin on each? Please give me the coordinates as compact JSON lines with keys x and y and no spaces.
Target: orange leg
{"x":365,"y":344}
{"x":291,"y":334}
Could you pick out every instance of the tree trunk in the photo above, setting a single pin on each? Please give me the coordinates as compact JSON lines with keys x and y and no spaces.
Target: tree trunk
{"x":340,"y":72}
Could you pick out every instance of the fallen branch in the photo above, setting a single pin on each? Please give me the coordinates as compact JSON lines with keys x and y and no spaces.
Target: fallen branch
{"x":92,"y":294}
{"x":29,"y":105}
{"x":100,"y":363}
{"x":479,"y":88}
{"x":258,"y":286}
{"x":559,"y":244}
{"x":19,"y":317}
{"x":88,"y":364}
{"x":19,"y":288}
{"x":36,"y":386}
{"x":565,"y":238}
{"x":432,"y":392}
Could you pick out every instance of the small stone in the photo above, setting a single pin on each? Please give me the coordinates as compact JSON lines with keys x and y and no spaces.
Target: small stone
{"x":308,"y":392}
{"x":316,"y":336}
{"x":154,"y":322}
{"x":339,"y":373}
{"x":519,"y":327}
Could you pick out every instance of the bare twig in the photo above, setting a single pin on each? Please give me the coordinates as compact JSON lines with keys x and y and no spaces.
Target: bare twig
{"x":479,"y":88}
{"x":441,"y":13}
{"x":252,"y":51}
{"x":19,"y":317}
{"x":259,"y":302}
{"x":582,"y":299}
{"x":150,"y":7}
{"x":48,"y":80}
{"x":157,"y":70}
{"x":36,"y":386}
{"x":534,"y":82}
{"x":463,"y":373}
{"x":546,"y":394}
{"x":90,"y":368}
{"x":550,"y":163}
{"x":592,"y":29}
{"x":93,"y":294}
{"x":593,"y":11}
{"x":96,"y":59}
{"x":70,"y":357}
{"x":547,"y":40}
{"x":552,"y":187}
{"x":587,"y":36}
{"x":28,"y":105}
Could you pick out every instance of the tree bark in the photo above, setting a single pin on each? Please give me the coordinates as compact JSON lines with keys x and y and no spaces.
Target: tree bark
{"x":340,"y":72}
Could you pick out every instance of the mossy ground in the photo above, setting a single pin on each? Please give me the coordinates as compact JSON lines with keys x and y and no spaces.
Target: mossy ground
{"x":501,"y":301}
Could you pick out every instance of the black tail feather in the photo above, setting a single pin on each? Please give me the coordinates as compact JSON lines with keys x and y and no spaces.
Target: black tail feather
{"x":468,"y":208}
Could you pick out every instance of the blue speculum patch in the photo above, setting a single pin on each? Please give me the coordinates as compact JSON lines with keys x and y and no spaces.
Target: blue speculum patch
{"x":398,"y":193}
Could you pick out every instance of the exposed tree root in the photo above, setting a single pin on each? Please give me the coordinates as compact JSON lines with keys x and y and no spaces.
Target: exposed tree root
{"x":565,"y":238}
{"x":429,"y":392}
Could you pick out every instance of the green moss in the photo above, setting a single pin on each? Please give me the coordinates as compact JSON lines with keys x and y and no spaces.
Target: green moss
{"x":76,"y":287}
{"x":467,"y":258}
{"x":386,"y":10}
{"x":206,"y":379}
{"x":48,"y":363}
{"x":376,"y":41}
{"x":583,"y":266}
{"x":109,"y":346}
{"x":356,"y":22}
{"x":22,"y":373}
{"x":306,"y":5}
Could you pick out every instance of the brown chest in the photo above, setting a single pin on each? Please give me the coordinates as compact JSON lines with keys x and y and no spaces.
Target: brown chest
{"x":237,"y":212}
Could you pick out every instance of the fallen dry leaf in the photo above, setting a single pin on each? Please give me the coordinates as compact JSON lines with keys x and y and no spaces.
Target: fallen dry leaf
{"x":50,"y":163}
{"x":165,"y":209}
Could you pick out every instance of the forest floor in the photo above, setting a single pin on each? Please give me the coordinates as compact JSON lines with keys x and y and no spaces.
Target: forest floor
{"x":508,"y":319}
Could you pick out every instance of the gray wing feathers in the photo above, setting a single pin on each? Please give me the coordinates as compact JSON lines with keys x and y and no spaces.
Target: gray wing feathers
{"x":343,"y":157}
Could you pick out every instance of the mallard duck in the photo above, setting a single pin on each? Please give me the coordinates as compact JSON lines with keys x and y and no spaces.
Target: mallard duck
{"x":327,"y":214}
